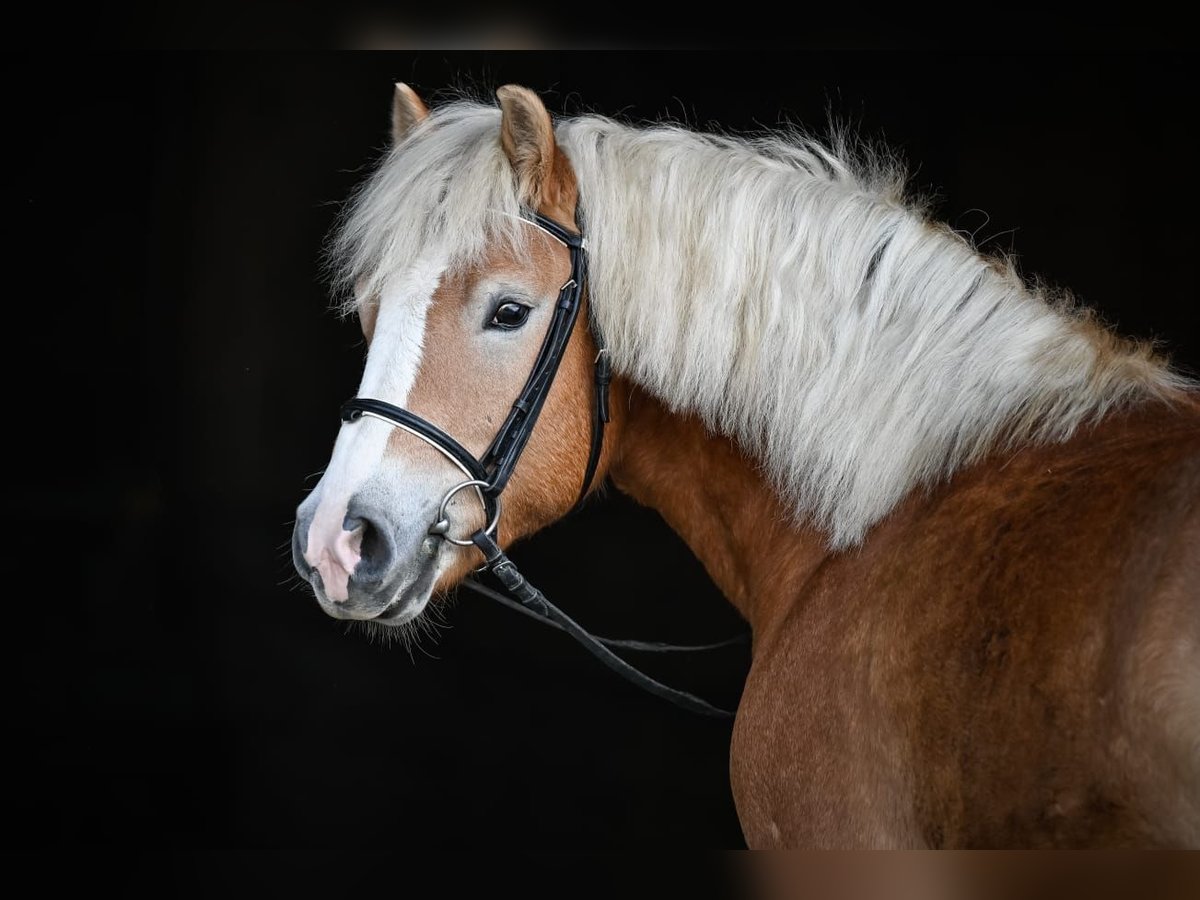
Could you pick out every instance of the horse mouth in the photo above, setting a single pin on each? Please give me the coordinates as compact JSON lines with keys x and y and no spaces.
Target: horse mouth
{"x":398,"y":612}
{"x":409,"y":595}
{"x":409,"y":599}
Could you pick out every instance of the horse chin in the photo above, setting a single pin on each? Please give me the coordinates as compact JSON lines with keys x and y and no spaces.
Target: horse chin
{"x":401,"y":613}
{"x":409,"y":601}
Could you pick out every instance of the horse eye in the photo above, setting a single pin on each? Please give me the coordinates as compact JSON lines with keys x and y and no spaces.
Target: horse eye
{"x":510,"y":315}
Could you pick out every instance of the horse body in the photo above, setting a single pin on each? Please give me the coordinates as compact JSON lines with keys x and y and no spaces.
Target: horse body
{"x":963,"y":523}
{"x":1009,"y":659}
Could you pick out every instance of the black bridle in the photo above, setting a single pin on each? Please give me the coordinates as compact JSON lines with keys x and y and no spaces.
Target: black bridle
{"x":489,"y":474}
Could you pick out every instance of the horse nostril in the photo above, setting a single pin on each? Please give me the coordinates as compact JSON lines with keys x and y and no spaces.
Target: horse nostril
{"x":374,"y":550}
{"x":372,"y":543}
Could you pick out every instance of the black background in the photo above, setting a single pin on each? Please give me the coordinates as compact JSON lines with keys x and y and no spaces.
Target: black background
{"x":177,"y":377}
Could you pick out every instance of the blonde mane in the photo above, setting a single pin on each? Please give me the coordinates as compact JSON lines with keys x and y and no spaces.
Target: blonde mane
{"x":784,"y":291}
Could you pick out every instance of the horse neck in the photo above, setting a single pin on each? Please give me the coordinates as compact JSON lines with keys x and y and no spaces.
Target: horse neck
{"x":813,"y":314}
{"x":714,"y":497}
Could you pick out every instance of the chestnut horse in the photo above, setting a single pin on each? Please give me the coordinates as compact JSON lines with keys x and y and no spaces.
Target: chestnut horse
{"x":961,"y":518}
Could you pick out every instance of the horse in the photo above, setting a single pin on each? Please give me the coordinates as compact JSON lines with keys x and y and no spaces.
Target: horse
{"x":960,"y":516}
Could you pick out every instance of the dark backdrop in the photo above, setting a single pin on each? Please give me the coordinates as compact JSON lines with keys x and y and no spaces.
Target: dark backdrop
{"x":176,"y":380}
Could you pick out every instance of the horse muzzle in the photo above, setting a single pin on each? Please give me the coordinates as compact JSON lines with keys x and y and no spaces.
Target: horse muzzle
{"x":368,"y":565}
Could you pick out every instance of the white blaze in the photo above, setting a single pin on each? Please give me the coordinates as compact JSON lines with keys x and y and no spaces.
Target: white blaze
{"x":391,"y":369}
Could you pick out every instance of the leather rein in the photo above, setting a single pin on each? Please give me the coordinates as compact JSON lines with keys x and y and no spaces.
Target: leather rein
{"x":489,"y":475}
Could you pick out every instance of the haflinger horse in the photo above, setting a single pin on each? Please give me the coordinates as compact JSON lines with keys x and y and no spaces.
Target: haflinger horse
{"x":961,"y":518}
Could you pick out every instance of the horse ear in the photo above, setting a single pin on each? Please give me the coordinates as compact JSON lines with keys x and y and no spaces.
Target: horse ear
{"x":407,"y":112}
{"x":527,"y":137}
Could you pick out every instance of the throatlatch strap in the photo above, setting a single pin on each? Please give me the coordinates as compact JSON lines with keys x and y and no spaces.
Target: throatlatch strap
{"x":603,"y":377}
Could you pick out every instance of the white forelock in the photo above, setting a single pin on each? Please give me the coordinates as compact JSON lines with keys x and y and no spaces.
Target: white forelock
{"x":783,"y":291}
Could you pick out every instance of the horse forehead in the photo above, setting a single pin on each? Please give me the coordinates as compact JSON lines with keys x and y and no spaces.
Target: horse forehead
{"x":427,"y":295}
{"x":412,"y":289}
{"x":540,"y":263}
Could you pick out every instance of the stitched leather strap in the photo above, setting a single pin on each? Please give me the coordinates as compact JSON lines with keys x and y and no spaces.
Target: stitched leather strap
{"x":603,"y":377}
{"x":353,"y":410}
{"x":501,"y":457}
{"x":535,"y":602}
{"x":620,"y":643}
